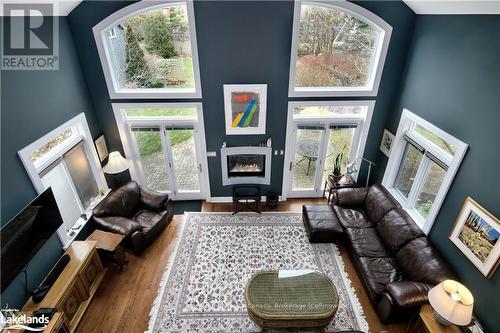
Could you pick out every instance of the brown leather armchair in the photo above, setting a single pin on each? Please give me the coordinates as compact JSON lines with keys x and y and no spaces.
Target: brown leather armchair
{"x":396,"y":262}
{"x":136,"y":212}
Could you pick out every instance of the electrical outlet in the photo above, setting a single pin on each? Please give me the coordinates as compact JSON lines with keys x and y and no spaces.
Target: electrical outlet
{"x":211,"y":154}
{"x":276,"y":152}
{"x":282,"y":152}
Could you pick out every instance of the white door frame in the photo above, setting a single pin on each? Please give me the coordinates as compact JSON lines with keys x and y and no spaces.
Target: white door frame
{"x":357,"y":148}
{"x":128,"y":142}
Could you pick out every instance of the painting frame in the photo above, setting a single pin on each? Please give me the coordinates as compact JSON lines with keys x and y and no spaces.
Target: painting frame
{"x":256,"y":124}
{"x":101,"y":147}
{"x":463,"y":230}
{"x":386,"y":142}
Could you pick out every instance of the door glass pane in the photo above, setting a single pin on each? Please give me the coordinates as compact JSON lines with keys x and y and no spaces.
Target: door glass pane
{"x":408,"y":169}
{"x":429,"y":191}
{"x":335,"y":49}
{"x":163,"y":112}
{"x":152,"y":158}
{"x":306,"y":154}
{"x":339,"y":140}
{"x":183,"y":151}
{"x":81,"y":174}
{"x":66,"y":199}
{"x":327,"y":110}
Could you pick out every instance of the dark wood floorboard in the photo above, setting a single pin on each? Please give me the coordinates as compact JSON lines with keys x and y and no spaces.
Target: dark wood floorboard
{"x":123,"y":300}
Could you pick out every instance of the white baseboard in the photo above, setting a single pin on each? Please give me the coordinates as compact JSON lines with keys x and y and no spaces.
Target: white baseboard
{"x":230,"y":199}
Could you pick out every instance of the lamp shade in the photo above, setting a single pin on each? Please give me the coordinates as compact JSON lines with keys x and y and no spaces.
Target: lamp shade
{"x":452,"y":301}
{"x":116,"y":163}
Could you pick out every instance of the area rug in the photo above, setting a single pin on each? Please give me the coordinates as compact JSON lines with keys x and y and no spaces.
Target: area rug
{"x":203,"y":287}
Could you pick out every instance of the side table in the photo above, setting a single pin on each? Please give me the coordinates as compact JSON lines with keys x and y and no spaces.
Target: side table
{"x":427,"y":323}
{"x":345,"y":182}
{"x":110,"y":247}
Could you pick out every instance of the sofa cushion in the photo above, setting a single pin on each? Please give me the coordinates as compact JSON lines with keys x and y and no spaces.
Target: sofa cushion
{"x":378,"y":273}
{"x":321,"y":223}
{"x":152,"y":200}
{"x":378,"y":203}
{"x":123,"y":201}
{"x":351,"y":197}
{"x":366,"y":243}
{"x":421,"y":262}
{"x":397,"y":228}
{"x":352,"y":218}
{"x":146,"y":219}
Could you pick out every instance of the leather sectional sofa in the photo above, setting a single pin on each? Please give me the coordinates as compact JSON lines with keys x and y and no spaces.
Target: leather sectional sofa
{"x":136,"y":212}
{"x":396,"y":262}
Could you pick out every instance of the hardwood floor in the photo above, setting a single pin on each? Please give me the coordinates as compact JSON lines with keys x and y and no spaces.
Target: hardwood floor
{"x":123,"y":300}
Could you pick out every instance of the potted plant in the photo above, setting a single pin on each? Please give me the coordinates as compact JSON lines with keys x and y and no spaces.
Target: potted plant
{"x":337,"y":166}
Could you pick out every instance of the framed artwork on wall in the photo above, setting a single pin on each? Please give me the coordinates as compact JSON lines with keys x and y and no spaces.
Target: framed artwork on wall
{"x":102,"y":149}
{"x":245,"y":108}
{"x":386,"y":143}
{"x":476,"y":234}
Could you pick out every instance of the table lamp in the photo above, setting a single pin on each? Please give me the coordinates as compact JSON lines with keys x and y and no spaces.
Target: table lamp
{"x":452,"y":303}
{"x":116,"y":163}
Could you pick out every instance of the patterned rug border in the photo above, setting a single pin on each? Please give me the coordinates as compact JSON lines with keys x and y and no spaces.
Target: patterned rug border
{"x":153,"y":315}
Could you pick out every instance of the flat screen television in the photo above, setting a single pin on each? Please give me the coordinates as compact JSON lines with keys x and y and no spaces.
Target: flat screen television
{"x":26,"y":233}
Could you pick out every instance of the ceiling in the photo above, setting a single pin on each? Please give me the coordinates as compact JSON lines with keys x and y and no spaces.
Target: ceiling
{"x":64,"y":7}
{"x":454,"y":6}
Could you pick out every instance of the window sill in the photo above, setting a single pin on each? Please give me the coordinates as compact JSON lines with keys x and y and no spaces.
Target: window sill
{"x":332,"y":92}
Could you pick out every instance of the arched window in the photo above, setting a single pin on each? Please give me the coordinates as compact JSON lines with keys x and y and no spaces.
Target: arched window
{"x":338,"y":49}
{"x":148,"y":50}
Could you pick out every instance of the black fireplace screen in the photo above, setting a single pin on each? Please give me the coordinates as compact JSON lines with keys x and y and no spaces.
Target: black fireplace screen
{"x":246,"y":165}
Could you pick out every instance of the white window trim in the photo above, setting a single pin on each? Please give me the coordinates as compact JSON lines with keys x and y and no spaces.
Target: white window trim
{"x":363,"y":121}
{"x":100,"y":36}
{"x":405,"y":125}
{"x":122,"y":122}
{"x":83,"y":134}
{"x":378,"y":63}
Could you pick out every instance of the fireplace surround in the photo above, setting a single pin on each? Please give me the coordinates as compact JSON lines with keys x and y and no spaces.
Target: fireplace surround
{"x":246,"y":165}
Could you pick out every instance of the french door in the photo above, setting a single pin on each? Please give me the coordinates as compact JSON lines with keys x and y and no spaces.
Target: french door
{"x":168,"y":159}
{"x":311,"y":151}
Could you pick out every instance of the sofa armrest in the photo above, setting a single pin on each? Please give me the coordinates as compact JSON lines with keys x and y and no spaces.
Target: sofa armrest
{"x":153,"y":200}
{"x":118,"y":225}
{"x":409,"y":293}
{"x":351,"y":197}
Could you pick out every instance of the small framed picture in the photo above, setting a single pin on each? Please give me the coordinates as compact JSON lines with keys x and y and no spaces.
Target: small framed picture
{"x":245,"y":108}
{"x":476,"y":234}
{"x":102,"y":149}
{"x":386,"y":144}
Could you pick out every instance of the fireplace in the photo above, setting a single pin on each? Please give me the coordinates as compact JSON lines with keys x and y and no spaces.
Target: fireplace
{"x":246,"y":165}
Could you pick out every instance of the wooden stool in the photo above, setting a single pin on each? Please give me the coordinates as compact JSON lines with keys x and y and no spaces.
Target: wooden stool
{"x":110,"y":247}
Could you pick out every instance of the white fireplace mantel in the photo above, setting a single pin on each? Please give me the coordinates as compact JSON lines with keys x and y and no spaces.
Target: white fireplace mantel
{"x":246,"y":150}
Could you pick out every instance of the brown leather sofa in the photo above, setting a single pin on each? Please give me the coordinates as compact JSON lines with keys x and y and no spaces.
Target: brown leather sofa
{"x":395,"y":261}
{"x":134,"y":211}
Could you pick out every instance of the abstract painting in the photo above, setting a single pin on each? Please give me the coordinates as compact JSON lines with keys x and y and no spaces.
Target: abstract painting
{"x":245,"y":108}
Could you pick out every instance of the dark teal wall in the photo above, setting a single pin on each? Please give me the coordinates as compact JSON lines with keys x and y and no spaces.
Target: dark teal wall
{"x":453,"y":81}
{"x":243,"y":42}
{"x":34,"y":103}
